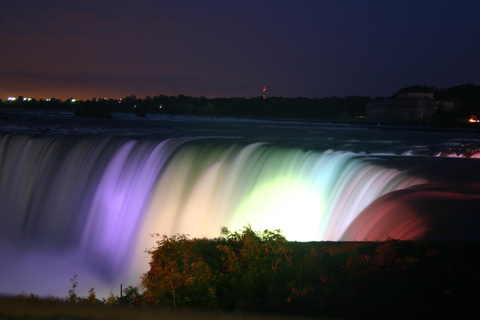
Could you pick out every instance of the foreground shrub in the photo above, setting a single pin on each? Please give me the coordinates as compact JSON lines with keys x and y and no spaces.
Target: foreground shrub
{"x":226,"y":273}
{"x":250,"y":261}
{"x":178,"y":275}
{"x":130,"y":297}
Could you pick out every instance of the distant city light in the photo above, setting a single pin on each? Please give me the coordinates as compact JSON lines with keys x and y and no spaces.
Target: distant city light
{"x":12,"y":98}
{"x":73,"y":100}
{"x":473,"y":119}
{"x":48,"y":99}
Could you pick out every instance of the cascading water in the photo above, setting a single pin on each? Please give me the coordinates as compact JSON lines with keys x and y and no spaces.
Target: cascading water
{"x":87,"y":204}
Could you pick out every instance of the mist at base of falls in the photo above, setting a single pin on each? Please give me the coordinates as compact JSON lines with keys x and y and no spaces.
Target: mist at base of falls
{"x":86,"y":204}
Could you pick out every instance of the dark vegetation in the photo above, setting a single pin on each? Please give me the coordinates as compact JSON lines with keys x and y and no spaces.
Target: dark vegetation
{"x":466,"y":98}
{"x":263,"y":273}
{"x":273,"y":107}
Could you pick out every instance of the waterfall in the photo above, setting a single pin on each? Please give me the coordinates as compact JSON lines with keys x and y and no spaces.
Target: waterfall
{"x":94,"y":200}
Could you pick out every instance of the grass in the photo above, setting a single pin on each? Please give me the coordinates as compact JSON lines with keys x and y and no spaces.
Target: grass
{"x":27,"y":309}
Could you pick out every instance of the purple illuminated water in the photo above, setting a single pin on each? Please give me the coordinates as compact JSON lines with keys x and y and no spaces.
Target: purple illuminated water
{"x":73,"y":202}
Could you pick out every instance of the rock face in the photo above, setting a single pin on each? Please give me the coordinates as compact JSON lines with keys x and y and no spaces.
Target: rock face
{"x":466,"y":150}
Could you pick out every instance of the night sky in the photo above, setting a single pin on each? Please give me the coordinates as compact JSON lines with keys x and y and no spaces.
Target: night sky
{"x":315,"y":49}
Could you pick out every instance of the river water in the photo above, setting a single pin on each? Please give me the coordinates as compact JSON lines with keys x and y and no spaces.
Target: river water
{"x":82,"y":196}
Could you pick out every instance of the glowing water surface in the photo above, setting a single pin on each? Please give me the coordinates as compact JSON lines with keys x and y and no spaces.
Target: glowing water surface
{"x":86,"y":204}
{"x":308,"y":195}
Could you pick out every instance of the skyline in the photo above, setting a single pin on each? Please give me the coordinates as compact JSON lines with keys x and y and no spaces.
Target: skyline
{"x":310,"y":49}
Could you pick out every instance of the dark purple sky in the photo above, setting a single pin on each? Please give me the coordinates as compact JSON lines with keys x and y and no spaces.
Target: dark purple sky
{"x":317,"y":48}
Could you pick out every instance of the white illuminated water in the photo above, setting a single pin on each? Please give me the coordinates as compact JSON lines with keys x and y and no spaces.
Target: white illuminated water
{"x":74,"y":202}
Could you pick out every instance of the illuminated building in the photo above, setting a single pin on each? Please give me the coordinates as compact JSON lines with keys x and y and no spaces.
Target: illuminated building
{"x":408,"y":107}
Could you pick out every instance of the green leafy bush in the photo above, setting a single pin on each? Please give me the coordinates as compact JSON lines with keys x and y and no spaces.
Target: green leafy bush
{"x":226,"y":273}
{"x":178,"y":275}
{"x":250,"y":260}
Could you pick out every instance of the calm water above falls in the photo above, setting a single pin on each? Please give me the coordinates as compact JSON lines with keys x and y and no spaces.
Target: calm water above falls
{"x":82,"y":197}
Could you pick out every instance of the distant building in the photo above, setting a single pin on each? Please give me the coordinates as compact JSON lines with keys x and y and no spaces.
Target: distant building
{"x":408,"y":107}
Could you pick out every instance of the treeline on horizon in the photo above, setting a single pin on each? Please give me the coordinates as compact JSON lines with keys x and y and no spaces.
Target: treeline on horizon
{"x":466,"y":98}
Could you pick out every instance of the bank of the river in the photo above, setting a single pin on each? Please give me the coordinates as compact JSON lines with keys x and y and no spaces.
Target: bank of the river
{"x":24,"y":309}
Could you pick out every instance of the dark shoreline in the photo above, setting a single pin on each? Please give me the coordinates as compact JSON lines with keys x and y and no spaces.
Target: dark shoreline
{"x":26,"y":309}
{"x":46,"y":117}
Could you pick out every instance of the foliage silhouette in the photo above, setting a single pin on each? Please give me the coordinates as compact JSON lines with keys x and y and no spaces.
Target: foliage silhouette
{"x":351,"y":280}
{"x":186,"y":272}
